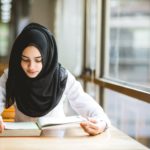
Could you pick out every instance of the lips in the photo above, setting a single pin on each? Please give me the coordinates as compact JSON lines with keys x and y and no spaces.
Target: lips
{"x":32,"y":72}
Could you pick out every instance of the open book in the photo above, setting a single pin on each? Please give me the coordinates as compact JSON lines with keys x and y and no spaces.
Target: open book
{"x":35,"y":128}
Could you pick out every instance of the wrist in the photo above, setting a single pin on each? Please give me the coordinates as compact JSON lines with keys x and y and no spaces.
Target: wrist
{"x":104,"y":125}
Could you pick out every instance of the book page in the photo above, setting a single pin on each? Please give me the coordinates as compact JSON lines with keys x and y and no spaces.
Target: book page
{"x":49,"y":121}
{"x":20,"y":125}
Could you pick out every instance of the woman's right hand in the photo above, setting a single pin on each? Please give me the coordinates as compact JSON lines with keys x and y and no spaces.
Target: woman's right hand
{"x":2,"y":126}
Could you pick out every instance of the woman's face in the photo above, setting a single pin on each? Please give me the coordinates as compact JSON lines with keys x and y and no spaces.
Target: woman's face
{"x":31,"y":61}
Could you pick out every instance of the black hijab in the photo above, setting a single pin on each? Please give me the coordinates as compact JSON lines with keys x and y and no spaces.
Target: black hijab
{"x":37,"y":96}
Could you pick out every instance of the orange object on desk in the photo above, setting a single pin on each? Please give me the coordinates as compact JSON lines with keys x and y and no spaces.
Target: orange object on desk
{"x":9,"y":114}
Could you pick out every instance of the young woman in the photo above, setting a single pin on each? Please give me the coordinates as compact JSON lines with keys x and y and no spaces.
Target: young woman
{"x":36,"y":84}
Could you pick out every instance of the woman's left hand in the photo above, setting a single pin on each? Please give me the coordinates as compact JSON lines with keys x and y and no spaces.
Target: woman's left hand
{"x":93,"y":127}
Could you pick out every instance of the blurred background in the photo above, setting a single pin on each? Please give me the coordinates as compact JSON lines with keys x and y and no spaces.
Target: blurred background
{"x":104,"y":43}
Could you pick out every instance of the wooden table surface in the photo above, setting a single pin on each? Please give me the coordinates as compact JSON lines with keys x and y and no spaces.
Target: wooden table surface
{"x":72,"y":137}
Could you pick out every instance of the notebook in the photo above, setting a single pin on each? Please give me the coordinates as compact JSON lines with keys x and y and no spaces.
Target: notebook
{"x":35,"y":128}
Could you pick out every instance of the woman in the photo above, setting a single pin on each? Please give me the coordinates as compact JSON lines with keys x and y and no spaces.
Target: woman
{"x":36,"y":84}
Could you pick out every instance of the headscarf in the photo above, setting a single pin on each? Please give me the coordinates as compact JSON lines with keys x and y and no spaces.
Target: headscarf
{"x":37,"y":96}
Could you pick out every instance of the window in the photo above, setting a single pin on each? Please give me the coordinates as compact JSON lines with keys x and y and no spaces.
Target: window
{"x":92,"y":45}
{"x":126,"y":66}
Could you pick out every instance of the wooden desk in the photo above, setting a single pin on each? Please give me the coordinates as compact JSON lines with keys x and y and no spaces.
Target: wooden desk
{"x":72,"y":138}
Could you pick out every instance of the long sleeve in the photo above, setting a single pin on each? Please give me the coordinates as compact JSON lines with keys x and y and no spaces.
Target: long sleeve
{"x":81,"y":102}
{"x":3,"y":79}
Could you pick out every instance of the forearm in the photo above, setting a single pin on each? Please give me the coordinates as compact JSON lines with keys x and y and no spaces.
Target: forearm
{"x":83,"y":103}
{"x":87,"y":107}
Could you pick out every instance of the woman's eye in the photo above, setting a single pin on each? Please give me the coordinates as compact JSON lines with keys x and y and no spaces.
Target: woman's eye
{"x":38,"y":60}
{"x":25,"y":60}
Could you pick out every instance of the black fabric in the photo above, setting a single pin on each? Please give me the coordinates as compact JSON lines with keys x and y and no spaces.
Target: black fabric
{"x":37,"y":96}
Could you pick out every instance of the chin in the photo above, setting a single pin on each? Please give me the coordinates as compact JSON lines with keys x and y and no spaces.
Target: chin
{"x":32,"y":76}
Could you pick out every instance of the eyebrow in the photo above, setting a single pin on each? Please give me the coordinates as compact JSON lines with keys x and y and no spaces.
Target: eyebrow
{"x":35,"y":57}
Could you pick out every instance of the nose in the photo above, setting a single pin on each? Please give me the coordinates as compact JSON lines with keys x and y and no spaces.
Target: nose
{"x":31,"y":65}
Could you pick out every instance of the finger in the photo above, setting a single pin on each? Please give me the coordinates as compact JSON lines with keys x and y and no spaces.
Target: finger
{"x":90,"y":130}
{"x":89,"y":124}
{"x":1,"y":128}
{"x":83,"y":127}
{"x":92,"y":123}
{"x":102,"y":125}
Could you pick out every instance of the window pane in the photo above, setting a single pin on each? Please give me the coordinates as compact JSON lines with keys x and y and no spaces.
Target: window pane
{"x":129,"y":114}
{"x":91,"y":37}
{"x":69,"y":34}
{"x":129,"y":46}
{"x":4,"y":38}
{"x":93,"y":90}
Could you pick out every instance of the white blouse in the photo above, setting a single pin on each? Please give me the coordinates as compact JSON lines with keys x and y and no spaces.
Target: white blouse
{"x":81,"y":102}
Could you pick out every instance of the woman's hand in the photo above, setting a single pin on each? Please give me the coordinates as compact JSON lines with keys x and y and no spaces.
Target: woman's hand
{"x":1,"y":125}
{"x":93,"y":127}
